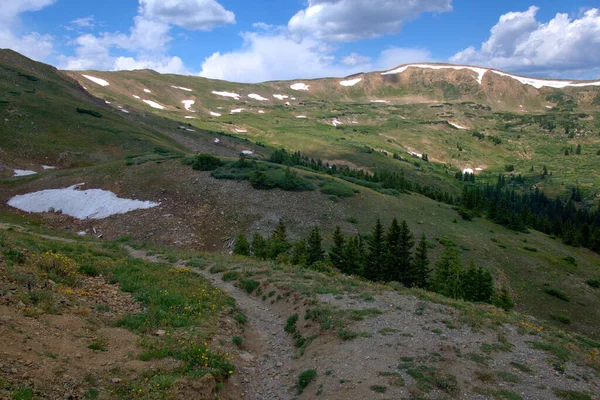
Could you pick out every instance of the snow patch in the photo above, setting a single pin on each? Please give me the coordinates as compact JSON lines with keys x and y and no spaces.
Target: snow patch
{"x":153,"y":104}
{"x":301,"y":116}
{"x":247,"y":152}
{"x":336,"y":122}
{"x":539,"y":83}
{"x":147,"y":91}
{"x":379,"y":101}
{"x":23,"y":172}
{"x":227,"y":94}
{"x":479,"y":71}
{"x":456,"y":125}
{"x":181,"y":88}
{"x":257,"y":97}
{"x":189,"y":117}
{"x":467,"y":171}
{"x":99,"y":81}
{"x":137,"y":97}
{"x":261,"y":112}
{"x":48,"y":167}
{"x":280,"y":96}
{"x":287,"y":103}
{"x":80,"y":204}
{"x":214,"y":114}
{"x":241,"y":131}
{"x":125,"y":111}
{"x":299,"y":86}
{"x":237,"y":110}
{"x":549,"y":107}
{"x":478,"y":169}
{"x":107,"y":102}
{"x":188,"y":104}
{"x":350,"y":82}
{"x":217,"y":140}
{"x":412,"y":153}
{"x":293,"y":98}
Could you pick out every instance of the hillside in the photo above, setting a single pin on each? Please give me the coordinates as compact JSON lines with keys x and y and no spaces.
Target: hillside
{"x":145,"y":221}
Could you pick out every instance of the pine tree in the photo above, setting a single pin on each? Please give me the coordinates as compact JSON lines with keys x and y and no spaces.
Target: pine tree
{"x":391,"y":270}
{"x":485,"y":293}
{"x":336,"y":252}
{"x":315,"y":252}
{"x":353,"y":256}
{"x":241,"y":247}
{"x":376,"y":255}
{"x":299,"y":253}
{"x":407,"y":270}
{"x":470,"y":283}
{"x":278,"y":243}
{"x":421,"y":264}
{"x":449,"y":274}
{"x":259,"y":246}
{"x":503,"y":300}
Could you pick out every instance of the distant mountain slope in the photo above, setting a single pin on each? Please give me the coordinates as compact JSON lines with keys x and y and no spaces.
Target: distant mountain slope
{"x":48,"y":118}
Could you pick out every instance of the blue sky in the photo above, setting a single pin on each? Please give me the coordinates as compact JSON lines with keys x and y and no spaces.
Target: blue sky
{"x":284,"y":39}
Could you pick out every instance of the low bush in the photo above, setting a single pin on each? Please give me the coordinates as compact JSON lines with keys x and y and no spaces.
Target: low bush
{"x":558,"y":293}
{"x":305,"y":379}
{"x":89,"y":112}
{"x":206,"y":162}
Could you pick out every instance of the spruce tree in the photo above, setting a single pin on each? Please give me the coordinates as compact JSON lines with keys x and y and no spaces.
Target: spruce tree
{"x":315,"y":252}
{"x":391,"y":270}
{"x":485,"y":293}
{"x":278,"y":243}
{"x":241,"y":247}
{"x":421,"y":264}
{"x":470,"y":283}
{"x":299,"y":252}
{"x":503,"y":300}
{"x":407,"y":270}
{"x":259,"y":246}
{"x":449,"y":274}
{"x":353,"y":256}
{"x":336,"y":252}
{"x":376,"y":254}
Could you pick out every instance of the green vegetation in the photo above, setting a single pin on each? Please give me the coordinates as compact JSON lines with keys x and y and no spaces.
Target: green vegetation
{"x":305,"y":378}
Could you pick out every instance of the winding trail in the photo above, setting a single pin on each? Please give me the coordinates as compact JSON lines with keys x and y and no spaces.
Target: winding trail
{"x":267,"y":370}
{"x":270,"y":373}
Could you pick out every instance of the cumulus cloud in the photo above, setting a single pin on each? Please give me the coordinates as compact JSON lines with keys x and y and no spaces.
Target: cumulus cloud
{"x":202,"y":15}
{"x":265,"y":57}
{"x":14,"y":36}
{"x":148,"y":38}
{"x":521,"y":43}
{"x":351,"y":20}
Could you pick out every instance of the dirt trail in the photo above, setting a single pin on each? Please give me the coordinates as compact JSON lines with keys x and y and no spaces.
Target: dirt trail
{"x":266,"y":370}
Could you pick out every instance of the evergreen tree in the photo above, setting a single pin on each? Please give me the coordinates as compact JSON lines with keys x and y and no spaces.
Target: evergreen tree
{"x":449,"y":274}
{"x":578,"y":151}
{"x":391,"y":270}
{"x":485,"y":293}
{"x":278,"y":243}
{"x":421,"y":264}
{"x":376,"y":254}
{"x":407,"y":270}
{"x":259,"y":246}
{"x":241,"y":247}
{"x":299,"y":253}
{"x":336,"y":252}
{"x":353,"y":255}
{"x":315,"y":252}
{"x":503,"y":300}
{"x":470,"y":283}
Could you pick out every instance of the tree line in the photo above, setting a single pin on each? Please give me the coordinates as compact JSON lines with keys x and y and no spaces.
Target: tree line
{"x":380,"y":256}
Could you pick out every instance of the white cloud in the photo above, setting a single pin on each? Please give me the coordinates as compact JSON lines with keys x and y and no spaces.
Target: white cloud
{"x":521,"y":43}
{"x":10,"y":9}
{"x":351,"y":20}
{"x":16,"y":37}
{"x":203,"y":15}
{"x":355,"y":59}
{"x":84,"y":22}
{"x":265,"y":57}
{"x":148,"y":38}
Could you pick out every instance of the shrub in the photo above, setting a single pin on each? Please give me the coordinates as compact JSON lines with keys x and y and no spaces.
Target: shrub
{"x":305,"y":379}
{"x":336,"y":188}
{"x":248,"y":284}
{"x":595,"y":283}
{"x":290,"y":326}
{"x":206,"y":162}
{"x":240,"y":317}
{"x":231,"y":276}
{"x":89,"y":112}
{"x":237,"y":340}
{"x":88,"y":269}
{"x":561,"y":318}
{"x":561,"y":294}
